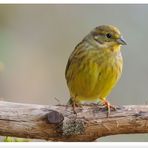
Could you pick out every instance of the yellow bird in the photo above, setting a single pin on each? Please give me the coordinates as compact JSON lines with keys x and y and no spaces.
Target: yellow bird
{"x":95,"y":66}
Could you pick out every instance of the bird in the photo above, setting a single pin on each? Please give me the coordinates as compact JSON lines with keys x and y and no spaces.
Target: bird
{"x":95,"y":66}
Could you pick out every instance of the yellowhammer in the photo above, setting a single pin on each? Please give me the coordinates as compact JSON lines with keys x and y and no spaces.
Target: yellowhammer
{"x":95,"y":66}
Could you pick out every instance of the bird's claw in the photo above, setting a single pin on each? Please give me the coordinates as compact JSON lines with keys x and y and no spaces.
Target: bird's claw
{"x":109,"y":107}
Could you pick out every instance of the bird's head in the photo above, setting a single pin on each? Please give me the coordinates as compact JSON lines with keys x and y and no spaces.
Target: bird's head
{"x":106,"y":36}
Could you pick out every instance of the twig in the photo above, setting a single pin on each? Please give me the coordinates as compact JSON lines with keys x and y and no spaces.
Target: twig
{"x":58,"y":123}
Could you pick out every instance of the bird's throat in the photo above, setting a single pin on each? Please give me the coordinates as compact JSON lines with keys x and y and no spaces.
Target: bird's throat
{"x":115,"y":48}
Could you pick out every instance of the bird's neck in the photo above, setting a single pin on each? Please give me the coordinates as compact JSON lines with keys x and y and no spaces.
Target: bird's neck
{"x":114,"y":48}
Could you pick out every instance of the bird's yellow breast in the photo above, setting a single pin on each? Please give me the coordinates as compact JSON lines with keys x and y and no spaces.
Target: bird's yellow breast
{"x":94,"y":75}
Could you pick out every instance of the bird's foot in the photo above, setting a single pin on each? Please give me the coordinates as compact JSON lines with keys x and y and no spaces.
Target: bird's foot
{"x":74,"y":105}
{"x":108,"y":106}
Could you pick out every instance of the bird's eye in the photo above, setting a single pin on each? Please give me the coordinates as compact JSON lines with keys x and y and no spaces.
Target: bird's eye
{"x":108,"y":35}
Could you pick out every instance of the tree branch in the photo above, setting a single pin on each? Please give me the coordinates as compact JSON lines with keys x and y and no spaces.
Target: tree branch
{"x":58,"y":123}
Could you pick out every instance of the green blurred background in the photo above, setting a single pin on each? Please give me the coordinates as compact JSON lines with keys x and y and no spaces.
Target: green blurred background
{"x":36,"y":41}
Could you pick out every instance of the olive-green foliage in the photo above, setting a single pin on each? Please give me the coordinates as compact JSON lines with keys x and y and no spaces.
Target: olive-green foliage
{"x":12,"y":139}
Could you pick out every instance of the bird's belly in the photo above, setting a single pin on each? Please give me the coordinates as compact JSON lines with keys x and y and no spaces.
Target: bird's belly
{"x":95,"y":81}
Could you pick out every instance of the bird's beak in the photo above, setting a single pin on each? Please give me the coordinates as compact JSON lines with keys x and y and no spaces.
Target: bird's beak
{"x":121,"y":41}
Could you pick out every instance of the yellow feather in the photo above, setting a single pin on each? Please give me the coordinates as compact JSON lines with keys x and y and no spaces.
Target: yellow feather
{"x":93,"y":78}
{"x":93,"y":69}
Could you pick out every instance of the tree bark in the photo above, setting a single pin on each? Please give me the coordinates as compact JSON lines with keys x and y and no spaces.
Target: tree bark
{"x":59,"y":123}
